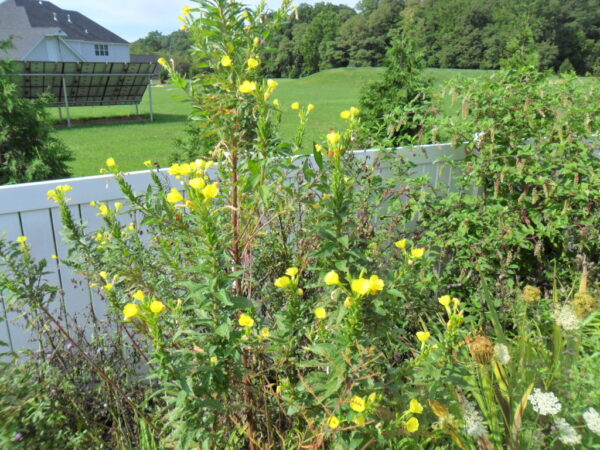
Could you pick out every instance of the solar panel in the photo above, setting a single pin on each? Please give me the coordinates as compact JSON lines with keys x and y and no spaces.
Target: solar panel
{"x":86,"y":84}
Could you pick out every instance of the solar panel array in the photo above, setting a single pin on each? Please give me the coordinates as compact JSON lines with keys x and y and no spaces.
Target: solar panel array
{"x":87,"y":84}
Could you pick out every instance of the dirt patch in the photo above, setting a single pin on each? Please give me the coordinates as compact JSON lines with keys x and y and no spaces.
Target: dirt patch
{"x":103,"y":120}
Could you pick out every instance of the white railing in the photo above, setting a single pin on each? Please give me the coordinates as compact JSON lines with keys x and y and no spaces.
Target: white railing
{"x":26,"y":211}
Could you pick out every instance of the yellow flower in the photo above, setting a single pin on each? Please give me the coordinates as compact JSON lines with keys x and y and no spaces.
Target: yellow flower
{"x":283,"y":282}
{"x":332,"y":278}
{"x":103,"y":210}
{"x":256,"y":41}
{"x":296,"y":106}
{"x":266,"y":96}
{"x":361,"y":286}
{"x":423,"y":336}
{"x":357,"y":403}
{"x":246,"y":321}
{"x":372,"y":397}
{"x":348,"y":302}
{"x":148,"y":163}
{"x":214,"y":360}
{"x":310,"y":107}
{"x":157,"y":307}
{"x":247,"y":87}
{"x":54,"y":257}
{"x":320,"y":313}
{"x":103,"y":275}
{"x":174,"y":196}
{"x":445,"y":300}
{"x":376,"y":284}
{"x":139,"y":295}
{"x":197,"y":183}
{"x":108,"y":286}
{"x":415,"y":407}
{"x":276,"y":103}
{"x":110,"y":162}
{"x":292,"y":271}
{"x":456,"y":302}
{"x":345,"y":115}
{"x":272,"y":84}
{"x":354,"y":111}
{"x":265,"y":333}
{"x":186,"y":10}
{"x":184,"y":27}
{"x":401,"y":244}
{"x":163,"y":62}
{"x":360,"y":421}
{"x":252,"y":63}
{"x":210,"y":191}
{"x":417,"y":252}
{"x":319,"y":148}
{"x":300,"y":292}
{"x":22,"y":239}
{"x":226,"y":61}
{"x":333,"y":138}
{"x":412,"y":425}
{"x":333,"y":422}
{"x":51,"y":194}
{"x":118,"y":206}
{"x":130,"y":311}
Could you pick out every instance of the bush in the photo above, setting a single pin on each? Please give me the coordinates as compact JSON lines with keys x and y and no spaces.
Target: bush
{"x":29,"y":149}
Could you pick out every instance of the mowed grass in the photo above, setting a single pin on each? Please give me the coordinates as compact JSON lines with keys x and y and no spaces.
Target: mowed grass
{"x":131,"y":143}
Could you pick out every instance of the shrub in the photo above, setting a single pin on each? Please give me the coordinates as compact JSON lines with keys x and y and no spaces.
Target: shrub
{"x":29,"y":149}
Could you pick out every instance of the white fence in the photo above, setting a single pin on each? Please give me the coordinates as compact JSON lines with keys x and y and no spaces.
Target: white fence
{"x":26,"y":211}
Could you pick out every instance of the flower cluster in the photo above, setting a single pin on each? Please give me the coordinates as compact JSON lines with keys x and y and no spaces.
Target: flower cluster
{"x":566,"y":433}
{"x":592,"y":420}
{"x":474,"y":425}
{"x":131,"y":310}
{"x":565,"y":317}
{"x":545,"y":403}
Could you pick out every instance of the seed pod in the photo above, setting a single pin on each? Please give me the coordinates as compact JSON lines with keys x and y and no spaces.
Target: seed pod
{"x":532,"y":294}
{"x":481,"y":348}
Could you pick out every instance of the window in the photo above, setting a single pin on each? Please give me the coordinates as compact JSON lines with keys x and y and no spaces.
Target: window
{"x":101,"y":49}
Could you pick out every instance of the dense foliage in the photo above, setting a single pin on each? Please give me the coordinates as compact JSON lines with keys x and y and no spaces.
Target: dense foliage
{"x":450,"y":33}
{"x":340,"y":299}
{"x":29,"y":148}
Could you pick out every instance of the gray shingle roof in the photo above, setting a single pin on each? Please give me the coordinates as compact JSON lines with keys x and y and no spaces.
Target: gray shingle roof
{"x":41,"y":15}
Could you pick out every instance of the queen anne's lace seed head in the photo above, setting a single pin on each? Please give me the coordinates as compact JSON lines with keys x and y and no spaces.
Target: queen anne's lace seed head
{"x":566,"y":433}
{"x":592,"y":420}
{"x":474,"y":426}
{"x":565,"y":317}
{"x":502,"y":354}
{"x":544,"y":403}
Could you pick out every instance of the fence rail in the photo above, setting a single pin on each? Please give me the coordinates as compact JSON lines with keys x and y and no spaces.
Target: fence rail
{"x":26,"y":211}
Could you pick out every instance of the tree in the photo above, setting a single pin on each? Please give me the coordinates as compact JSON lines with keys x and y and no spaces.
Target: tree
{"x":29,"y":148}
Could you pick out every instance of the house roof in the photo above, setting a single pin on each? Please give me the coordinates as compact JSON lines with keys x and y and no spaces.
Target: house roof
{"x":43,"y":14}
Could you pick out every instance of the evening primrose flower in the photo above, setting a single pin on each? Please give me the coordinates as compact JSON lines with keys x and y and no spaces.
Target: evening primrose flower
{"x":401,"y":244}
{"x":292,"y":271}
{"x":265,"y":333}
{"x":417,"y":252}
{"x":210,"y":191}
{"x":110,"y":162}
{"x":226,"y":61}
{"x":283,"y":282}
{"x":272,"y":84}
{"x":412,"y":424}
{"x":22,"y":239}
{"x":320,"y":313}
{"x":108,"y":287}
{"x":345,"y":115}
{"x":130,"y":311}
{"x":157,"y":307}
{"x":333,"y":422}
{"x":139,"y":295}
{"x":376,"y":284}
{"x":174,"y":196}
{"x":103,"y":210}
{"x":445,"y":300}
{"x":296,"y":106}
{"x":247,"y":87}
{"x":354,"y":111}
{"x":310,"y":107}
{"x":246,"y":321}
{"x":333,"y":138}
{"x":360,"y":421}
{"x":148,"y":163}
{"x":332,"y":278}
{"x":423,"y":336}
{"x":348,"y":302}
{"x":186,"y":10}
{"x":276,"y":103}
{"x":357,"y":403}
{"x":197,"y":183}
{"x":103,"y":274}
{"x":252,"y":63}
{"x":118,"y":206}
{"x":163,"y":62}
{"x":415,"y":407}
{"x":214,"y":360}
{"x":361,"y":286}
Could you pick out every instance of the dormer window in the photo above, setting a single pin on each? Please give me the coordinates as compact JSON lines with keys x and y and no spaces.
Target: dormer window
{"x":101,"y":49}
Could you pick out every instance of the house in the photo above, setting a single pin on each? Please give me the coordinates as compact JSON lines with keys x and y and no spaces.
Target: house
{"x":41,"y":31}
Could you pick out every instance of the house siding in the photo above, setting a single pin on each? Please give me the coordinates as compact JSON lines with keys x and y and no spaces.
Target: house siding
{"x":52,"y":49}
{"x":116,"y":52}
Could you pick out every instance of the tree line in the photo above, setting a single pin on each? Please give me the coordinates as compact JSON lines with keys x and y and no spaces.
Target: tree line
{"x":466,"y":34}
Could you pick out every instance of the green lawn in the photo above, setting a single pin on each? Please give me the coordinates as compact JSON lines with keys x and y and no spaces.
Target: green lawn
{"x":331,"y":91}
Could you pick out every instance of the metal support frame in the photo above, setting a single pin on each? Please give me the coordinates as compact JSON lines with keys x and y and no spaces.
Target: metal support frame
{"x":150,"y":98}
{"x":66,"y":101}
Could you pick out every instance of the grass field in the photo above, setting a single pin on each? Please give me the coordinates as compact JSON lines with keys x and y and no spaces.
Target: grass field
{"x":131,"y":143}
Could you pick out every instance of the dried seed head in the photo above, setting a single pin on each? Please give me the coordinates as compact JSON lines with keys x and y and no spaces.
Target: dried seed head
{"x":532,"y":294}
{"x":584,"y":305}
{"x":481,"y":348}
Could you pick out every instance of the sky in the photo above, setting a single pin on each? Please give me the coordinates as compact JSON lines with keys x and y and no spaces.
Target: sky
{"x":132,"y":19}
